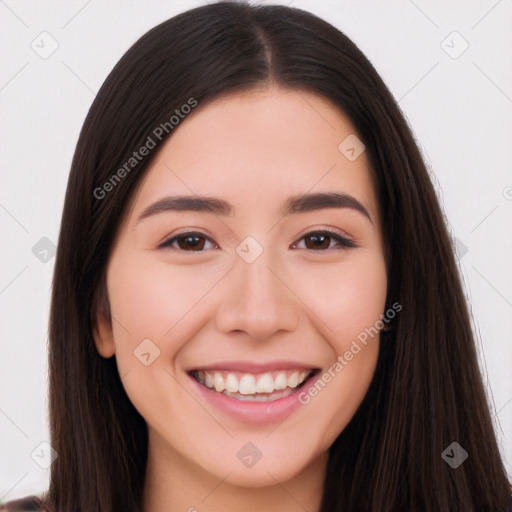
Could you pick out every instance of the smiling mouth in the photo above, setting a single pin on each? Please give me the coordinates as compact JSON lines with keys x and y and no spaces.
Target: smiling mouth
{"x":259,"y":387}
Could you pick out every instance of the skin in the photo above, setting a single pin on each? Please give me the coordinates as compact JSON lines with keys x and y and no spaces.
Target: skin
{"x":254,"y":150}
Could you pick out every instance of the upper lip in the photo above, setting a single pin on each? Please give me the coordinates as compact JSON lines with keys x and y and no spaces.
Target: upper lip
{"x":252,"y":367}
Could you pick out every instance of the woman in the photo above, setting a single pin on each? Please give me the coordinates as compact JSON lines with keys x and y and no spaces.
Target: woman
{"x":255,"y":303}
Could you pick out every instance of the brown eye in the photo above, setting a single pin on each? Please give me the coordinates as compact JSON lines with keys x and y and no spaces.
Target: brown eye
{"x":196,"y":243}
{"x":317,"y":241}
{"x":189,"y":242}
{"x":322,"y":240}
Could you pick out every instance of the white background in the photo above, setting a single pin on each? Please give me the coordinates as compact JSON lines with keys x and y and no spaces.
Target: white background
{"x":460,"y":110}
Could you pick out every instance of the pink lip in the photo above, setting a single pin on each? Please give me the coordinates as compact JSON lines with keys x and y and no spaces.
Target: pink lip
{"x":250,"y":367}
{"x":254,"y":413}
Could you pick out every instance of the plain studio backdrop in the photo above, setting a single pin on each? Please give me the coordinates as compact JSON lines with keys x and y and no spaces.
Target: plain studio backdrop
{"x":447,"y":64}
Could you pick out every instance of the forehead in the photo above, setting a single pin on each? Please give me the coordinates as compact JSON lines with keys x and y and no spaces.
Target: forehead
{"x":256,"y":148}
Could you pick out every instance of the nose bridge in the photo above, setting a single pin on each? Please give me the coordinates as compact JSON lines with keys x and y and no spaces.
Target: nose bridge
{"x":256,"y":300}
{"x":259,"y":284}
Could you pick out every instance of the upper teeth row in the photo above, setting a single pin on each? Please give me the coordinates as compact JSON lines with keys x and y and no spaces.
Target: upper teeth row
{"x":248,"y":383}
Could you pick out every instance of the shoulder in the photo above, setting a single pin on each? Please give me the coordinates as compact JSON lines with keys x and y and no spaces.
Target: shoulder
{"x":26,"y":504}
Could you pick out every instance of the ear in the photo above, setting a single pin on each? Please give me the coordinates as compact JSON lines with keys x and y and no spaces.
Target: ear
{"x":102,"y":326}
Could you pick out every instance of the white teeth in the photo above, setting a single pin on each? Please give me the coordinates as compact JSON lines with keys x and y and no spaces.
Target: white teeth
{"x":265,"y":384}
{"x":218,"y":382}
{"x":250,"y":384}
{"x":231,"y":383}
{"x":208,"y":380}
{"x":247,"y":385}
{"x":280,"y":382}
{"x":293,"y":380}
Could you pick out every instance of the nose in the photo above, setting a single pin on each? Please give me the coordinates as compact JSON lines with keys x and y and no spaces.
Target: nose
{"x":257,"y":299}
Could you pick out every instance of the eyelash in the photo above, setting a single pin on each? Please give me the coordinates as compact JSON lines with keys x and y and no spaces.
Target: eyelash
{"x":344,"y":243}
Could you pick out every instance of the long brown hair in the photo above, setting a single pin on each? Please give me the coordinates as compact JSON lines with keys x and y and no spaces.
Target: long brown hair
{"x":427,"y":391}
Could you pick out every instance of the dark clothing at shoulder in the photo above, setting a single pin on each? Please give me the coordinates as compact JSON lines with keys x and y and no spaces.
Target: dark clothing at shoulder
{"x":26,"y":504}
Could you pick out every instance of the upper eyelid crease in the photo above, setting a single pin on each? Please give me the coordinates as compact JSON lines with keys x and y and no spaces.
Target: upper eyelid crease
{"x":296,"y":204}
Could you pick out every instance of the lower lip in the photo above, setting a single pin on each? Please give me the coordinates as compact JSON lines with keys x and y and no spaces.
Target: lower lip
{"x":254,"y":412}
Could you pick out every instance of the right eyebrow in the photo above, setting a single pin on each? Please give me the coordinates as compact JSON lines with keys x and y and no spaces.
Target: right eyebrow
{"x":189,"y":203}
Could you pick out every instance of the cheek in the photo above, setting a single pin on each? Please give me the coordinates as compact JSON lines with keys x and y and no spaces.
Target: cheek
{"x":152,"y":301}
{"x":160,"y":303}
{"x":348,"y":302}
{"x":153,"y":306}
{"x":347,"y":298}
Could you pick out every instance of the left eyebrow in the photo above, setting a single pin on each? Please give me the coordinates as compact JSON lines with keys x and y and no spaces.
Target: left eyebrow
{"x":316,"y":201}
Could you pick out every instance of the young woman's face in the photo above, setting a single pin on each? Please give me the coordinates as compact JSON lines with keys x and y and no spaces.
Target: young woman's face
{"x":265,"y":275}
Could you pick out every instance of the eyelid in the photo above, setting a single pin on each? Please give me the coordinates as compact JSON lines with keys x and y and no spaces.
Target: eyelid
{"x":328,"y":229}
